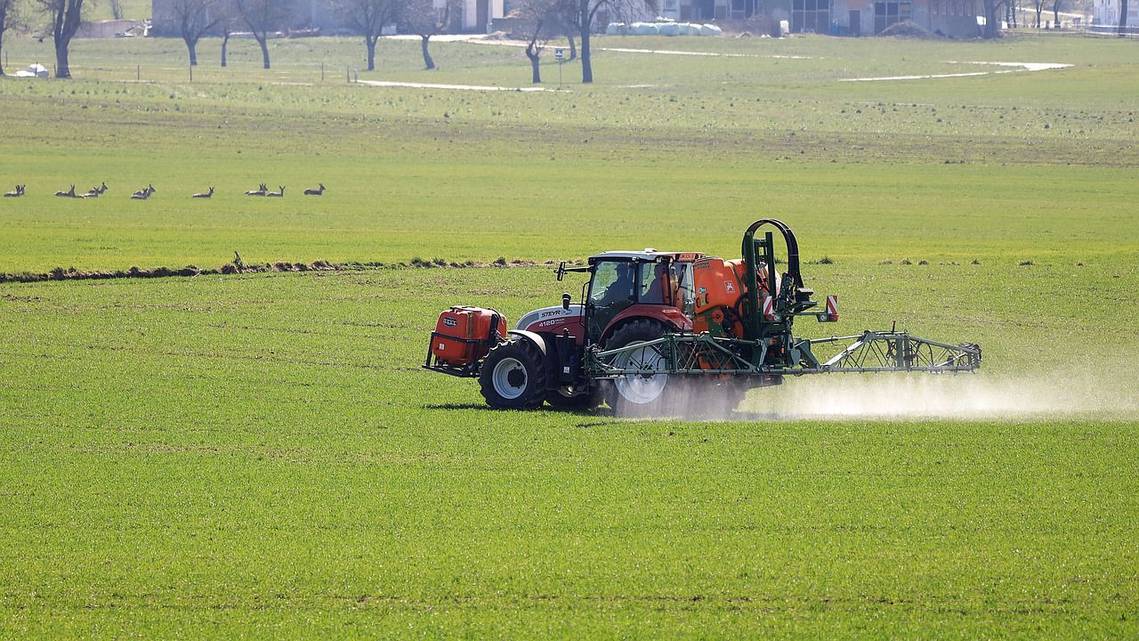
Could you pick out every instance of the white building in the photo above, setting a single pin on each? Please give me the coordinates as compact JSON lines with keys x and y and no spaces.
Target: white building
{"x":473,"y":16}
{"x":1105,"y":13}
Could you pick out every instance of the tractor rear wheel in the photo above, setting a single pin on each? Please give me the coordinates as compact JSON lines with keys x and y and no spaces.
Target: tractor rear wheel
{"x":513,"y":376}
{"x":651,"y":391}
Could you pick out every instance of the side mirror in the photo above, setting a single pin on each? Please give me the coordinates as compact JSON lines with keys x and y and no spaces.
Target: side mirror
{"x":565,"y":301}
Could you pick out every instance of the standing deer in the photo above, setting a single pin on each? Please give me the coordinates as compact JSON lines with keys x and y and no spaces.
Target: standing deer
{"x":315,"y":192}
{"x":70,"y":193}
{"x":143,"y":194}
{"x":260,"y":191}
{"x":277,"y":194}
{"x":208,"y":194}
{"x":17,"y":193}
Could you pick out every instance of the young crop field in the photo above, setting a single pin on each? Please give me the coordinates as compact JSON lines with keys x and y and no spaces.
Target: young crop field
{"x":260,"y":455}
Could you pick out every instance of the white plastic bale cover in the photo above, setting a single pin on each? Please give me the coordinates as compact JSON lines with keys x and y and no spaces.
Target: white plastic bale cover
{"x":688,"y":29}
{"x":645,"y":29}
{"x":616,"y":29}
{"x":710,"y":30}
{"x":670,"y":29}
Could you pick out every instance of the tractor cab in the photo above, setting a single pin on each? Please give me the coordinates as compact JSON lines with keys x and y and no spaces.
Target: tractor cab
{"x":636,"y":284}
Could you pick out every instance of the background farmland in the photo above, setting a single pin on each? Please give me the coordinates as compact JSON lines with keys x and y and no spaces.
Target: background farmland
{"x":260,"y":455}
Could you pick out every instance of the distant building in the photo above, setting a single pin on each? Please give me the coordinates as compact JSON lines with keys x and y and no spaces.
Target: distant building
{"x":475,"y":16}
{"x":957,"y":18}
{"x":1106,"y":14}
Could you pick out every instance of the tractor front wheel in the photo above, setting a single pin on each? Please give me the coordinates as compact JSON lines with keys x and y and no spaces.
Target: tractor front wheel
{"x":650,"y":392}
{"x":513,"y":376}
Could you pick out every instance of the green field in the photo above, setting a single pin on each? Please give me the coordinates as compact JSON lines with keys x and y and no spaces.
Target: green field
{"x":260,"y":455}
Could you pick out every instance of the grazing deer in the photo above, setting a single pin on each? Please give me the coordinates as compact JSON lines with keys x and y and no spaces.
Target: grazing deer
{"x":315,"y":192}
{"x":207,"y":194}
{"x":260,"y":191}
{"x":277,"y":194}
{"x":15,"y":194}
{"x":70,"y":193}
{"x":96,"y":191}
{"x":144,"y":193}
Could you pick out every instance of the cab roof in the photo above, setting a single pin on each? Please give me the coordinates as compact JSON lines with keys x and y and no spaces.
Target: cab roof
{"x":648,"y":254}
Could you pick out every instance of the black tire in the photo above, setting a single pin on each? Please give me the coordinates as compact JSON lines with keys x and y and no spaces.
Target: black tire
{"x":639,"y":331}
{"x":513,"y":376}
{"x":578,"y":403}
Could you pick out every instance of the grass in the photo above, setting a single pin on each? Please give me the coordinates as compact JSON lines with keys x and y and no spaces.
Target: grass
{"x":261,"y":456}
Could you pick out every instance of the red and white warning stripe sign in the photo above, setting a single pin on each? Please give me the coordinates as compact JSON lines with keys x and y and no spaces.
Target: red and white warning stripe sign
{"x":832,"y":307}
{"x":769,"y":308}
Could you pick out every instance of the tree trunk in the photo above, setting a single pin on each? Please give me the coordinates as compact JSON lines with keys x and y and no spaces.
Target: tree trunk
{"x":1056,"y":14}
{"x":1122,"y":18}
{"x":263,"y":40}
{"x":1039,"y":10}
{"x":224,"y":47}
{"x":427,"y":61}
{"x":3,"y":28}
{"x":586,"y":63}
{"x":62,"y":68}
{"x":992,"y":19}
{"x":572,"y":46}
{"x":370,"y":43}
{"x":535,"y":70}
{"x":192,"y":47}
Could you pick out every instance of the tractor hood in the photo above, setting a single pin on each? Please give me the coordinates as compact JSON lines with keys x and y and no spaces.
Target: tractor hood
{"x":548,"y":318}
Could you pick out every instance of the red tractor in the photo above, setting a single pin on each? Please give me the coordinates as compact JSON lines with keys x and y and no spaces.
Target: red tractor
{"x":658,"y":329}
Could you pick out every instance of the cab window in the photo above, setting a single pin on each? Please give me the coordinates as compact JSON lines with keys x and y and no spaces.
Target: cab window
{"x":612,"y":283}
{"x":656,"y":282}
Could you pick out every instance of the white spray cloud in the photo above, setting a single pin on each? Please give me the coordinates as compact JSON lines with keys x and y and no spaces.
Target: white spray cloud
{"x":951,"y":397}
{"x":1108,"y":393}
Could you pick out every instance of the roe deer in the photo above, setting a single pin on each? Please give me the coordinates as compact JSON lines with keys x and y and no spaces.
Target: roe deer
{"x":143,"y":194}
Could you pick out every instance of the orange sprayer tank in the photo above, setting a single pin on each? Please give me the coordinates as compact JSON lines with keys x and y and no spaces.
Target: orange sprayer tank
{"x":463,"y":335}
{"x":719,"y":287}
{"x":717,"y":283}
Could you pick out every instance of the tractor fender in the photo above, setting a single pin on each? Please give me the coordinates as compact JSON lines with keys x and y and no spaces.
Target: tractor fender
{"x":670,"y":317}
{"x":533,"y":337}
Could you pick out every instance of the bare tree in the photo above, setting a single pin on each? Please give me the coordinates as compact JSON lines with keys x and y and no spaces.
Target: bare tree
{"x":261,"y":16}
{"x":116,"y":10}
{"x":65,"y":16}
{"x":1056,"y":14}
{"x":1122,"y":18}
{"x":369,"y":17}
{"x":583,"y":15}
{"x":1038,"y":6}
{"x":424,"y":19}
{"x":195,"y":18}
{"x":543,"y":19}
{"x":9,"y":19}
